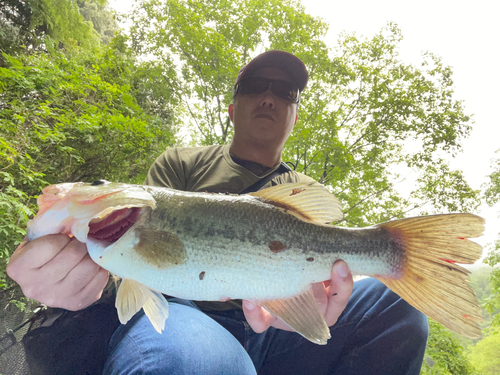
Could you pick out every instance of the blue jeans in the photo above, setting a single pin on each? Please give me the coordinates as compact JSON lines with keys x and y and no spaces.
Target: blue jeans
{"x":378,"y":333}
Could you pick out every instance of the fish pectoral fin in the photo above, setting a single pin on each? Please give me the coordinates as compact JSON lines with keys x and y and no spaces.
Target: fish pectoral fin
{"x":160,"y":249}
{"x":306,"y":200}
{"x":301,"y":313}
{"x":132,"y":296}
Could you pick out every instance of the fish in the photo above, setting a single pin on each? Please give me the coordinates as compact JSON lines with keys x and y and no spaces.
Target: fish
{"x":267,"y":247}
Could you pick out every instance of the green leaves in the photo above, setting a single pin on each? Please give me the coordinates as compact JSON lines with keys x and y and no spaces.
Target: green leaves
{"x":72,"y":116}
{"x":492,"y":197}
{"x":25,"y":25}
{"x":444,"y":354}
{"x":484,"y":355}
{"x":492,"y":189}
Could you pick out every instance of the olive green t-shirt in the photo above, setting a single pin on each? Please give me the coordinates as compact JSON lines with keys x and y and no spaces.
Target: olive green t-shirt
{"x":212,"y":169}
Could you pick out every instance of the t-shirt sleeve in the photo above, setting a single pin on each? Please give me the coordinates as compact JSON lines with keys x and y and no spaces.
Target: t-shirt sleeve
{"x":168,"y":170}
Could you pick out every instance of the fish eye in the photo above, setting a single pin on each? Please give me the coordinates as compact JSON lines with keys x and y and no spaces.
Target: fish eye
{"x":98,"y":182}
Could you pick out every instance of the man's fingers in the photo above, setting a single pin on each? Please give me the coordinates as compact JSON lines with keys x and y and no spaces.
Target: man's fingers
{"x":332,"y":298}
{"x":71,"y":256}
{"x":80,"y":275}
{"x":257,"y":317}
{"x":90,"y":293}
{"x":339,"y":292}
{"x":36,"y":253}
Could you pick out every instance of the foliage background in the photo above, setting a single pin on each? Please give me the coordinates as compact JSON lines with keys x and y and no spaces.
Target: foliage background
{"x":82,"y":100}
{"x":72,"y":108}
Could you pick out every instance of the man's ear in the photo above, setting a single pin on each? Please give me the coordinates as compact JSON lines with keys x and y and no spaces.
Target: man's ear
{"x":231,"y":109}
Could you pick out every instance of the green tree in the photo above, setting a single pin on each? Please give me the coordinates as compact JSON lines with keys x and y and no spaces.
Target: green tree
{"x":492,"y":196}
{"x":480,"y":282}
{"x":70,"y":117}
{"x":24,"y":24}
{"x":210,"y":41}
{"x":378,"y":114}
{"x":485,"y":354}
{"x":102,"y":18}
{"x":444,"y":354}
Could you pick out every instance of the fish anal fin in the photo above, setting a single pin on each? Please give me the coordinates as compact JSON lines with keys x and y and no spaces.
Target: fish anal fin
{"x":306,"y":200}
{"x":430,"y":281}
{"x":132,"y":296}
{"x":301,"y":313}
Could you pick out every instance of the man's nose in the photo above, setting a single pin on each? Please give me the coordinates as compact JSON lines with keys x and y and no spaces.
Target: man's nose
{"x":268,"y":100}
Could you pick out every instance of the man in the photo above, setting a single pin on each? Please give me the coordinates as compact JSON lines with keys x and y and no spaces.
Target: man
{"x":373,"y":330}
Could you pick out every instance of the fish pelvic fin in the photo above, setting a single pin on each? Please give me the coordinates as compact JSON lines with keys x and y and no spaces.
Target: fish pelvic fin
{"x":431,"y":281}
{"x":307,"y":200}
{"x":301,"y":313}
{"x":132,"y":296}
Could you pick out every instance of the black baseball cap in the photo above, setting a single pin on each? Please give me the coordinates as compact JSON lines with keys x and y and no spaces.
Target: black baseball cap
{"x":285,"y":61}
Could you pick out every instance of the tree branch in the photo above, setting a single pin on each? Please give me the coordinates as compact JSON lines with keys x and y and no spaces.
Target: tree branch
{"x":367,"y":197}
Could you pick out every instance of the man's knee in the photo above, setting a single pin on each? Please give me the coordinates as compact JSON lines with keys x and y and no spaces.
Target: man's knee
{"x":191,"y":343}
{"x":372,"y":300}
{"x":416,"y":323}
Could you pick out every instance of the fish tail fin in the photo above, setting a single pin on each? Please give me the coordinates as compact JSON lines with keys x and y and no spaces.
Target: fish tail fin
{"x":132,"y":296}
{"x":430,"y":280}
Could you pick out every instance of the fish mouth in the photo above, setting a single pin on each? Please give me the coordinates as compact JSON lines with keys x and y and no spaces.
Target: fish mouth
{"x":113,"y":226}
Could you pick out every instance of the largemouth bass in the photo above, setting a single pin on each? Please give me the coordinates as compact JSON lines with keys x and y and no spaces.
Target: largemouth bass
{"x":267,"y":247}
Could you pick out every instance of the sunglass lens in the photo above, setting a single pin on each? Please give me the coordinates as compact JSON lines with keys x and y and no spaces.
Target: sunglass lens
{"x":285,"y":90}
{"x":254,"y":85}
{"x":258,"y":85}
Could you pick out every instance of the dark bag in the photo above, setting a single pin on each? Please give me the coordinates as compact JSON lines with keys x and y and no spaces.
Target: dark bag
{"x":14,"y":323}
{"x":75,"y":343}
{"x":55,"y":341}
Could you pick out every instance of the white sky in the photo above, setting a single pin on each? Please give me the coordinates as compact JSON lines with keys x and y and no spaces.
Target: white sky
{"x":466,"y":34}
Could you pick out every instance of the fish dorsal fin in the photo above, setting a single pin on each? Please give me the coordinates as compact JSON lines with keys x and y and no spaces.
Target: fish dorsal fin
{"x":301,"y":313}
{"x":132,"y":296}
{"x":306,"y":200}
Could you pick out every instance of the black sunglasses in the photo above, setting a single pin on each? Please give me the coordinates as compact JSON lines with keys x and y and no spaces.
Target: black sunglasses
{"x":258,"y":85}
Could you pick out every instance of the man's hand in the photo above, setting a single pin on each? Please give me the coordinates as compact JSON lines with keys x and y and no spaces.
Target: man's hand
{"x":331,"y":296}
{"x":57,"y":271}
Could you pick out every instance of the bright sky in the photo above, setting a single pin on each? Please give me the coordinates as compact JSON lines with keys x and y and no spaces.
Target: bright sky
{"x":466,"y":34}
